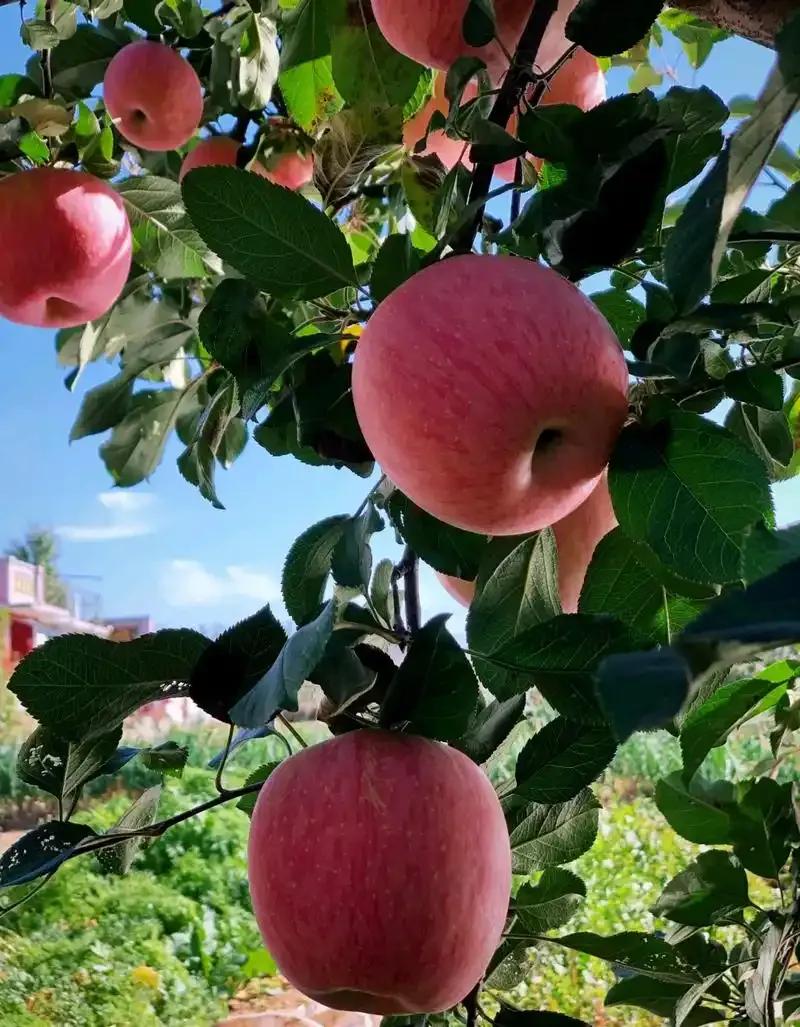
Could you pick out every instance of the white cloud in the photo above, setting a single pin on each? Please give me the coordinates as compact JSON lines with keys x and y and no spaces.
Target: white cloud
{"x":189,"y":583}
{"x":127,"y":517}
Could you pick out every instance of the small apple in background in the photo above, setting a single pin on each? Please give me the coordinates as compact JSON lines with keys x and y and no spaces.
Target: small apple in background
{"x":66,"y":249}
{"x":366,"y":888}
{"x":508,"y":390}
{"x":577,"y":537}
{"x":292,"y":170}
{"x":153,"y":95}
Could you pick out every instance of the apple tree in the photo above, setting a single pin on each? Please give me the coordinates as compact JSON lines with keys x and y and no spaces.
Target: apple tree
{"x":417,"y":242}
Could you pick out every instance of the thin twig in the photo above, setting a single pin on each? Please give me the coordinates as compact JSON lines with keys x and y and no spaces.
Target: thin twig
{"x":507,"y":101}
{"x":222,"y":11}
{"x":288,"y":725}
{"x":45,"y":60}
{"x":408,"y":571}
{"x":470,"y":1004}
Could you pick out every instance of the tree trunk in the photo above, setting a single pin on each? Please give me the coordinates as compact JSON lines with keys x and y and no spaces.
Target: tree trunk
{"x":758,"y":20}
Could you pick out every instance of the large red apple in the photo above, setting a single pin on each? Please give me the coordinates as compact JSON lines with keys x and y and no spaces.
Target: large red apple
{"x":491,"y":391}
{"x":380,"y":871}
{"x":431,"y":31}
{"x":577,"y":537}
{"x":153,"y":95}
{"x":66,"y":249}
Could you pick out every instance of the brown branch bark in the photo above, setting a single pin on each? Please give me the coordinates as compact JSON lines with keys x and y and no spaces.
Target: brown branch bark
{"x":759,"y":20}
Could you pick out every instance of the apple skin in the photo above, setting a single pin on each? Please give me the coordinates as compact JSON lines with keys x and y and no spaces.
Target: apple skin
{"x":430,"y":31}
{"x":491,"y":391}
{"x":66,"y":248}
{"x":380,"y":872}
{"x":291,"y":170}
{"x":577,"y":536}
{"x":153,"y":95}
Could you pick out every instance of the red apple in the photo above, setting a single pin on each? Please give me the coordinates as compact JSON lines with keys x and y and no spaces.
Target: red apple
{"x":290,"y":169}
{"x":491,"y":391}
{"x":153,"y":95}
{"x":218,"y":150}
{"x":380,"y":871}
{"x":577,"y":537}
{"x":66,"y":249}
{"x":430,"y":31}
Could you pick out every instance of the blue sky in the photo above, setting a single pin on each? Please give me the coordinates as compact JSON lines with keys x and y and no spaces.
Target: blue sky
{"x":160,"y":548}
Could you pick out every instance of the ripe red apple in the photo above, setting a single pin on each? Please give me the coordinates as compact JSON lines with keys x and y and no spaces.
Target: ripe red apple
{"x":66,"y":249}
{"x":491,"y":392}
{"x":380,"y":872}
{"x":153,"y":95}
{"x":292,"y":170}
{"x":430,"y":31}
{"x":577,"y":537}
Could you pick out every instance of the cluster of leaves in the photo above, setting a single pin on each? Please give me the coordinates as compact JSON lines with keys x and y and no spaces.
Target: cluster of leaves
{"x":244,"y":305}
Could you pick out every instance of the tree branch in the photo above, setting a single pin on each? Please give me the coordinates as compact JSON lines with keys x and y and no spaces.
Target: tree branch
{"x":518,"y":77}
{"x":759,"y":20}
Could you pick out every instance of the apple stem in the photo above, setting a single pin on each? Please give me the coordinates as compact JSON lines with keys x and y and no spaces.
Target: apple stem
{"x":507,"y":101}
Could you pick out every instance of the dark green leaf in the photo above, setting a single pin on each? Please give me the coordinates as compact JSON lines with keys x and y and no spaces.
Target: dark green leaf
{"x":551,"y":902}
{"x":711,"y":889}
{"x":435,"y":689}
{"x":247,"y":803}
{"x":759,"y":990}
{"x":82,"y":686}
{"x":622,"y":311}
{"x":699,"y":813}
{"x":351,"y":563}
{"x":478,"y":26}
{"x":535,"y":1018}
{"x":642,"y":953}
{"x":658,"y":997}
{"x":561,"y":759}
{"x":757,"y":385}
{"x":308,"y":566}
{"x":521,"y":592}
{"x":62,"y":768}
{"x":306,"y":30}
{"x":548,"y":836}
{"x":274,"y":237}
{"x":397,"y":261}
{"x":490,"y":727}
{"x":447,"y":549}
{"x":690,"y":490}
{"x":608,"y":27}
{"x":368,"y":70}
{"x":137,"y":443}
{"x":41,"y":851}
{"x":234,"y":662}
{"x":639,"y":691}
{"x":278,"y":688}
{"x":763,"y":827}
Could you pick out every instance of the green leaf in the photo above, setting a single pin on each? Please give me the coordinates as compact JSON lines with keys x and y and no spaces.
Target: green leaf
{"x":168,"y":759}
{"x":356,"y":139}
{"x":698,"y":242}
{"x":535,"y":1018}
{"x":435,"y":689}
{"x":197,"y":462}
{"x":697,"y":115}
{"x":396,"y":262}
{"x":307,"y":29}
{"x":41,"y":851}
{"x":698,"y":815}
{"x":247,"y":803}
{"x":490,"y":727}
{"x":14,"y":87}
{"x":642,"y":690}
{"x":79,"y":63}
{"x":709,"y":725}
{"x":368,"y":70}
{"x":234,"y":663}
{"x":310,"y":94}
{"x":308,"y":566}
{"x":256,"y":61}
{"x":521,"y":593}
{"x":62,"y":768}
{"x":711,"y":889}
{"x":690,"y":490}
{"x":82,"y":686}
{"x":274,"y":237}
{"x":767,"y":551}
{"x":278,"y":688}
{"x":757,"y":385}
{"x":118,"y":859}
{"x":551,"y":902}
{"x":561,"y":759}
{"x":658,"y":997}
{"x":380,"y":591}
{"x":642,"y":953}
{"x":447,"y":549}
{"x":622,"y":581}
{"x":622,"y":311}
{"x":608,"y":27}
{"x":551,"y":835}
{"x":351,"y":563}
{"x":763,"y":827}
{"x":38,"y":35}
{"x":137,"y":443}
{"x":559,"y":657}
{"x":165,"y":241}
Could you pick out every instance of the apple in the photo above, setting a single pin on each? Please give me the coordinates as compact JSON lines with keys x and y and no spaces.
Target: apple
{"x":66,"y":249}
{"x":153,"y":95}
{"x":577,"y":537}
{"x":380,"y":872}
{"x":430,"y":31}
{"x":491,"y":391}
{"x":292,"y":170}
